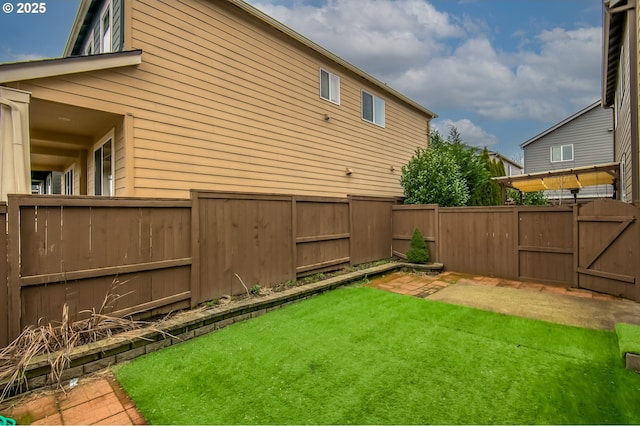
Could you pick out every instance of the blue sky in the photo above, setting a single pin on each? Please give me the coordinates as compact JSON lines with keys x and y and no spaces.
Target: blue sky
{"x":501,"y":71}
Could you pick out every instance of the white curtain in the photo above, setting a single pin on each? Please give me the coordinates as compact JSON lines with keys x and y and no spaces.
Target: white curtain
{"x":15,"y":157}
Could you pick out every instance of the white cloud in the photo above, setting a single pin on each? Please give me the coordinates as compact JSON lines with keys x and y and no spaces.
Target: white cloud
{"x":383,"y":38}
{"x":470,"y":133}
{"x":453,"y":62}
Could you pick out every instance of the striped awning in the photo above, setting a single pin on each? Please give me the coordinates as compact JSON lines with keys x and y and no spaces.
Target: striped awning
{"x":576,"y":178}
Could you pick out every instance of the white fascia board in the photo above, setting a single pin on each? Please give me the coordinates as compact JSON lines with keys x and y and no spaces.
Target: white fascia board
{"x":21,"y":71}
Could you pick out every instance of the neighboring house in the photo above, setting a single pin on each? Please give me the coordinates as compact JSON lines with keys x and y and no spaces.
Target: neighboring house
{"x":583,"y":139}
{"x":620,"y":88}
{"x":511,"y":167}
{"x":154,"y":98}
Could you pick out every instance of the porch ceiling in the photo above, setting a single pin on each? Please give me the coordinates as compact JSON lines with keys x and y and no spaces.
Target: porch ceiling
{"x":576,"y":178}
{"x":61,"y":134}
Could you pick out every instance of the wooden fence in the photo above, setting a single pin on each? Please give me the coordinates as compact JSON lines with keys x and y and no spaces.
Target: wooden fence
{"x":171,"y":254}
{"x":165,"y":255}
{"x":541,"y":244}
{"x":255,"y":239}
{"x":75,"y":250}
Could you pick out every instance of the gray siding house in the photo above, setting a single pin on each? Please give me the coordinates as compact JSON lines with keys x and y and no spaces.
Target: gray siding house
{"x":583,"y":139}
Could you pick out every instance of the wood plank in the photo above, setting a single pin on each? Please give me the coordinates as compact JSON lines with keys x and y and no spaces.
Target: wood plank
{"x":609,"y":275}
{"x":567,"y":250}
{"x":602,"y":218}
{"x":329,"y":237}
{"x":101,"y":272}
{"x":607,"y":243}
{"x":409,"y":237}
{"x":319,"y":265}
{"x":153,"y":304}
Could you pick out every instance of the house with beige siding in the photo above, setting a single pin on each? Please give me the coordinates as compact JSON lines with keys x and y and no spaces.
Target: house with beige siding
{"x":154,"y":98}
{"x":620,"y":89}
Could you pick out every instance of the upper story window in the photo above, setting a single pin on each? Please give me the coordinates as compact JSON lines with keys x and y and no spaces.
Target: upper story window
{"x":106,"y":22}
{"x":562,"y":153}
{"x":329,"y":86}
{"x":372,"y":109}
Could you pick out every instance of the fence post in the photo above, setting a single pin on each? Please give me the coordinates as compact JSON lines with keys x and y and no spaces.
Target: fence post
{"x":576,"y":243}
{"x":195,"y":248}
{"x":4,"y":273}
{"x":516,"y":241}
{"x":294,"y":235}
{"x":14,"y":307}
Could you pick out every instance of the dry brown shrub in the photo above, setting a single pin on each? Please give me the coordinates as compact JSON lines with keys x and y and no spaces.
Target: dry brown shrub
{"x":57,"y":341}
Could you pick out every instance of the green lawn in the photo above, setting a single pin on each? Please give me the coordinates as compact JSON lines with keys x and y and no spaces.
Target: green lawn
{"x":365,"y":356}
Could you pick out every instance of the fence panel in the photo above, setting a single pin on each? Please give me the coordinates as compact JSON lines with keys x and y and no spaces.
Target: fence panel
{"x":4,"y":282}
{"x":321,"y":234}
{"x":408,"y":217}
{"x":370,"y":229}
{"x":545,"y":244}
{"x":479,"y":240}
{"x":242,"y":236}
{"x":75,"y":250}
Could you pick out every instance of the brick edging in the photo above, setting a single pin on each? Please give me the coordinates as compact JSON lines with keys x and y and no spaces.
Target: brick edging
{"x":186,"y":325}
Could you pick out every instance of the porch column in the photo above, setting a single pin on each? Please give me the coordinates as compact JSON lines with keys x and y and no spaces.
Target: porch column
{"x":15,"y":151}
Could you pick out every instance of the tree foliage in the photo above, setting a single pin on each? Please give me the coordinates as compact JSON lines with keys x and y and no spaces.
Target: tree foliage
{"x":432,"y":176}
{"x":488,"y":193}
{"x":528,"y":198}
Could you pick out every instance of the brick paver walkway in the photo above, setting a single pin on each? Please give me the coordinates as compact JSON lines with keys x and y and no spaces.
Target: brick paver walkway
{"x":96,"y":400}
{"x":423,"y":285}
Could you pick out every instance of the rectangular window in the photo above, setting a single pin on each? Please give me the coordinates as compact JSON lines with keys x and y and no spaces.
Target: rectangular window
{"x":68,"y":182}
{"x":372,"y":109}
{"x":88,"y":48}
{"x":562,"y":153}
{"x":105,"y":29}
{"x":329,"y":86}
{"x":103,"y":169}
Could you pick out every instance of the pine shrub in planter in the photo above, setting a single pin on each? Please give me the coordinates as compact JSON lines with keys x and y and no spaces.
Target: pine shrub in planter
{"x":418,"y":250}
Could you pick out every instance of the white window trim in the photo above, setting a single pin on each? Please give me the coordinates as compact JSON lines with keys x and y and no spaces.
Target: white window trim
{"x":373,"y":109}
{"x":110,"y":135}
{"x":88,"y":46}
{"x":108,"y":5}
{"x":336,"y":78}
{"x":71,"y":169}
{"x":561,"y":160}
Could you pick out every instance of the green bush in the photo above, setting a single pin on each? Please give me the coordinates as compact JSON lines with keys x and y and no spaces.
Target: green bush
{"x":418,"y":250}
{"x":432,"y":177}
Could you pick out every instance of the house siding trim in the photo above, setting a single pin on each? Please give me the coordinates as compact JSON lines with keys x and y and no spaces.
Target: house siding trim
{"x":30,"y":70}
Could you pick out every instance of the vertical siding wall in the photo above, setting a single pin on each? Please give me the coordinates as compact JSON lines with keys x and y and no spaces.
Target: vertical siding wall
{"x":270,"y":239}
{"x":513,"y":242}
{"x":172,"y":254}
{"x":75,"y":250}
{"x":407,"y":218}
{"x":546,"y":244}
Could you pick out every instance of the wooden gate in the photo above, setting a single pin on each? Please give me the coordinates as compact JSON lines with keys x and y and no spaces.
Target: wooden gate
{"x":608,"y":258}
